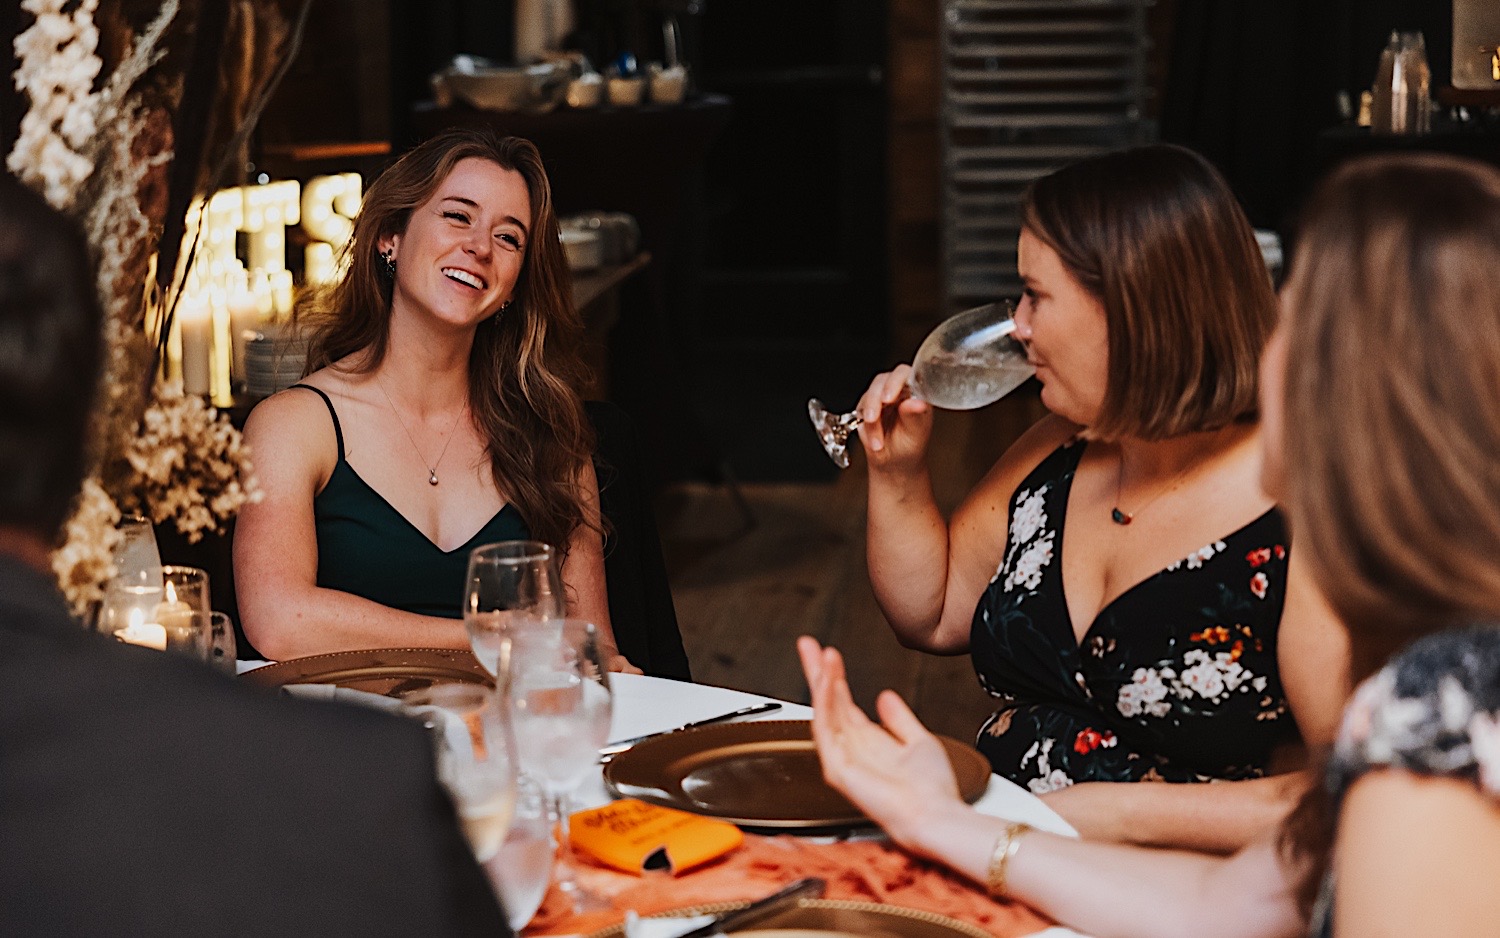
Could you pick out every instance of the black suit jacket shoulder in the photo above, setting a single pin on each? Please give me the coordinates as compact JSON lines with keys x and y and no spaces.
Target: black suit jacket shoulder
{"x":145,"y":794}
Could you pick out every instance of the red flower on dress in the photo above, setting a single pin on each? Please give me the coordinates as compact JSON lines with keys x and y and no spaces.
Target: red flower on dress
{"x":1090,"y":739}
{"x":1259,"y":556}
{"x":1280,"y":552}
{"x":1258,"y":584}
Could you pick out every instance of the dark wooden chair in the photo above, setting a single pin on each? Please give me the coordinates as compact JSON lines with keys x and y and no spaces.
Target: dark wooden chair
{"x":640,"y":600}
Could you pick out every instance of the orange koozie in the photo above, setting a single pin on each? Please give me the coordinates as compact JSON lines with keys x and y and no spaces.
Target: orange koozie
{"x":634,"y":836}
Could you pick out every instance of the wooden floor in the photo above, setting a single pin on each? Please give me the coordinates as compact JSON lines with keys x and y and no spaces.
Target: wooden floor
{"x":748,"y":581}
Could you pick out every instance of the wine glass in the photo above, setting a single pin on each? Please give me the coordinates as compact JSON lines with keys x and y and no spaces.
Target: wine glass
{"x":476,"y":757}
{"x":523,"y":867}
{"x":136,"y":586}
{"x":560,"y":706}
{"x":509,"y":583}
{"x":971,"y":359}
{"x":137,"y":560}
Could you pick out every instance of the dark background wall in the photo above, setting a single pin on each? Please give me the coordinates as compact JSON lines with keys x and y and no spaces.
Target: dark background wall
{"x":812,"y":256}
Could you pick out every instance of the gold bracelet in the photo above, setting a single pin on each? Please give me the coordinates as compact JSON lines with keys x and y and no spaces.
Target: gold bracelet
{"x":1006,"y":846}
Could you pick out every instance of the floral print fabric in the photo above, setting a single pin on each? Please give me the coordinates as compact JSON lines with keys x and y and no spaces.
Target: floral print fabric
{"x":1433,"y":710}
{"x":1175,"y":679}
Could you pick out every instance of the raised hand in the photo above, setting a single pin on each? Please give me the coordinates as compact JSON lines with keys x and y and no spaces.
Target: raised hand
{"x":888,"y":770}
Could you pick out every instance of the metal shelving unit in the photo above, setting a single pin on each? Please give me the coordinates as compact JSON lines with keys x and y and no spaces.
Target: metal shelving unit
{"x":1027,"y":85}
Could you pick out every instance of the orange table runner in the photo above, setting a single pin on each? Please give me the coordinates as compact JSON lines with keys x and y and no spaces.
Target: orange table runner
{"x":867,"y":871}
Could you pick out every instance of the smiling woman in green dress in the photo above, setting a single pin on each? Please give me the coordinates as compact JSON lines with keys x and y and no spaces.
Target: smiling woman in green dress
{"x":438,"y":413}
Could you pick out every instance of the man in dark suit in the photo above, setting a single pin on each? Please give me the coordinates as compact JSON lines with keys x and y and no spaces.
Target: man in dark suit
{"x":142,"y":793}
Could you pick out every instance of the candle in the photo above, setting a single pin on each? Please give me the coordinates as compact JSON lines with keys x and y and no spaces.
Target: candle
{"x":140,"y":632}
{"x":281,"y":292}
{"x":244,"y":319}
{"x":222,"y":394}
{"x":175,"y":618}
{"x":196,"y":323}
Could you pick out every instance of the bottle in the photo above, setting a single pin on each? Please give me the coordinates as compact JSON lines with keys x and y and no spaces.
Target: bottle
{"x":1413,"y":113}
{"x":1381,"y":93}
{"x":1402,"y":93}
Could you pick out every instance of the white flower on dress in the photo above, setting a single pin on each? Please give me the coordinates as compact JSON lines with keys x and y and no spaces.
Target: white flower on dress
{"x":1048,"y":778}
{"x":1146,"y":693}
{"x":1455,"y":706}
{"x":1052,"y":781}
{"x":1196,"y":559}
{"x":1484,"y":740}
{"x":1212,"y":678}
{"x":1028,"y":568}
{"x":1030,"y":516}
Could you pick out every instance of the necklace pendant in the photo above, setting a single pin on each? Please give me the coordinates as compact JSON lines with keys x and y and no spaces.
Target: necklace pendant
{"x":432,"y":479}
{"x":1115,"y":515}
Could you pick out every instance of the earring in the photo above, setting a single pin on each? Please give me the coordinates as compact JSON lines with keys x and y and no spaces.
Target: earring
{"x":390,"y":264}
{"x":499,"y":312}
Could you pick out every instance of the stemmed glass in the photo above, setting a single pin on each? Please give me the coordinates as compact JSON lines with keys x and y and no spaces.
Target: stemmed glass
{"x":137,"y":584}
{"x":510,"y":583}
{"x":970,"y":360}
{"x":560,"y":706}
{"x":476,"y":757}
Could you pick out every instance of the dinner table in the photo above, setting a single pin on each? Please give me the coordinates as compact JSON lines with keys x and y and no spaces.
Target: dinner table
{"x":860,"y":866}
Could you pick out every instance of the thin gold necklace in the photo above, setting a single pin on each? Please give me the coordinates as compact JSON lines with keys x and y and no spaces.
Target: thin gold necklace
{"x":1122,"y":517}
{"x":432,"y":478}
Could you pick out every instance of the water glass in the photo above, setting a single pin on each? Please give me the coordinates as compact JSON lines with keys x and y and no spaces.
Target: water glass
{"x":223,"y":651}
{"x":523,"y":867}
{"x":476,"y":757}
{"x":181,"y":632}
{"x":137,"y":560}
{"x":510,"y":584}
{"x":560,"y":705}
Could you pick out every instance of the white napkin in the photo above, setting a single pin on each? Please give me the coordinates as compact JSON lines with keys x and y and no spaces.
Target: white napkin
{"x":456,"y":736}
{"x":1005,"y":799}
{"x":637,"y":927}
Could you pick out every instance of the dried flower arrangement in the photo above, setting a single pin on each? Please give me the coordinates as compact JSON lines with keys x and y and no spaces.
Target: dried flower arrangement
{"x":94,"y":150}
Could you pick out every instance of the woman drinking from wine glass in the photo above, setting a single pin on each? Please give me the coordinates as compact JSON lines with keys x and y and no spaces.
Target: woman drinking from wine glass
{"x":437,"y":415}
{"x":1382,"y":442}
{"x":1118,"y":576}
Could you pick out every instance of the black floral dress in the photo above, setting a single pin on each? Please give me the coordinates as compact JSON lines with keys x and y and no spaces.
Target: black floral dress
{"x":1176,"y":679}
{"x":1434,"y":710}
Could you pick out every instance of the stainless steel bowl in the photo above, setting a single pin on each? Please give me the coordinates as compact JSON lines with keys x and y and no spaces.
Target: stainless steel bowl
{"x":533,"y":88}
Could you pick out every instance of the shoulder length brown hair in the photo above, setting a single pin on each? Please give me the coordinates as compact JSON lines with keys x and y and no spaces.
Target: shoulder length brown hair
{"x":1392,"y":436}
{"x":1155,"y":234}
{"x":524,"y":365}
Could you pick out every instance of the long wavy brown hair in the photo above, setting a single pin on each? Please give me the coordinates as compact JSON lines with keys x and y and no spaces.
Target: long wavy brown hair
{"x":1392,"y":438}
{"x":524,"y":365}
{"x":1155,"y":234}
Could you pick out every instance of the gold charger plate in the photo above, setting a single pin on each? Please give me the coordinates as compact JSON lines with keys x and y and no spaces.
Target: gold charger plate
{"x":392,"y":672}
{"x":761,"y":775}
{"x":828,"y":918}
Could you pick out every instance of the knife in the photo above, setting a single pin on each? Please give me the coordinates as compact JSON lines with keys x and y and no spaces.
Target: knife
{"x":811,"y":888}
{"x":615,"y":748}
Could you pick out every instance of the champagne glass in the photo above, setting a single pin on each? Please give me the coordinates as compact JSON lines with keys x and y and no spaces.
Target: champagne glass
{"x":509,"y":583}
{"x":970,"y":360}
{"x":560,"y":704}
{"x":476,"y":758}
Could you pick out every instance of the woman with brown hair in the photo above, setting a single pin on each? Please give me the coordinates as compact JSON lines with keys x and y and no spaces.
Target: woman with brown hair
{"x":1382,"y":440}
{"x":1148,"y":648}
{"x":438,"y":413}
